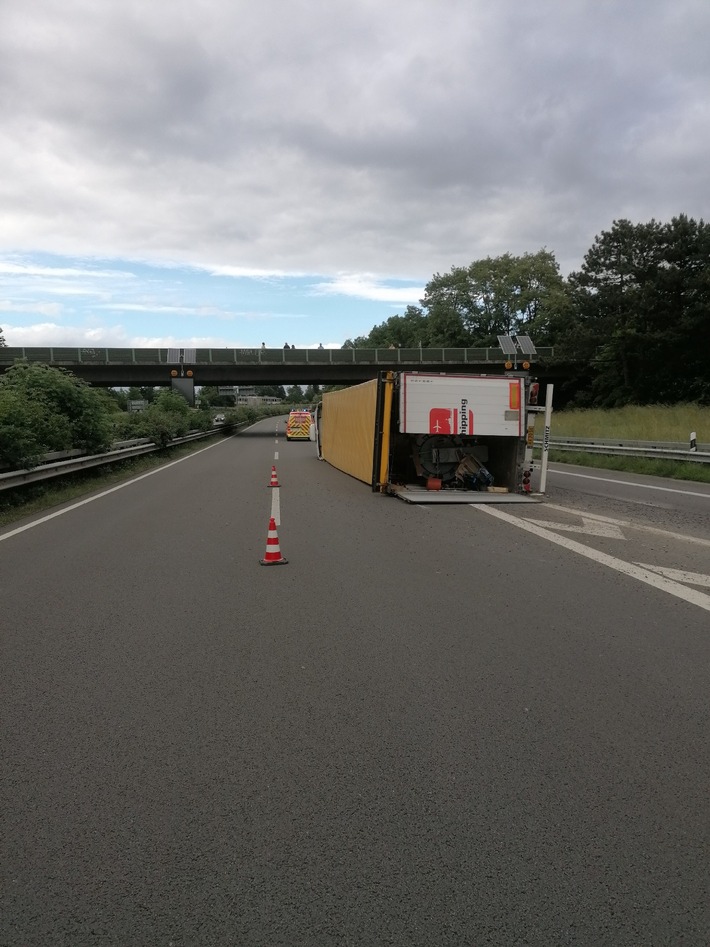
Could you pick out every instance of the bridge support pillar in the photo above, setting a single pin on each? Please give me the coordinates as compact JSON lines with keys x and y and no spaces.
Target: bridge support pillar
{"x":186,"y":388}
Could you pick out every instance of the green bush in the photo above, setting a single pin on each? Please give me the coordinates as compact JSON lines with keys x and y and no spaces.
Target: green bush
{"x":45,"y":409}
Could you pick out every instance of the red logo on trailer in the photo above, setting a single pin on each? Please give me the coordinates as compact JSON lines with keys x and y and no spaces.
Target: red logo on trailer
{"x":446,"y":421}
{"x":440,"y":420}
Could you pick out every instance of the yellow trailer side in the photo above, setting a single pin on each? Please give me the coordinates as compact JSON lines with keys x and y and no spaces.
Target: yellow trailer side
{"x":348,"y":429}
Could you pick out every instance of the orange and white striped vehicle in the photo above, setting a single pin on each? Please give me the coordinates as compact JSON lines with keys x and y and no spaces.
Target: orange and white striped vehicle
{"x":298,"y":426}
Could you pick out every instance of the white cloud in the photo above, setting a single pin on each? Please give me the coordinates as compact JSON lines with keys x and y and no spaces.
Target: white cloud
{"x":37,"y":309}
{"x":271,"y":140}
{"x":59,"y":272}
{"x":245,"y":272}
{"x":48,"y":334}
{"x":366,"y":286}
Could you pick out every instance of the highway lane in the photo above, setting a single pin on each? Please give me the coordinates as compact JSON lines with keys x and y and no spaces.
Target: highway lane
{"x":672,"y":504}
{"x":430,"y":727}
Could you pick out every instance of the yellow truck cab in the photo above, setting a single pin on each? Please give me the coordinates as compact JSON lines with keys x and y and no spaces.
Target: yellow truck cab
{"x":298,"y":426}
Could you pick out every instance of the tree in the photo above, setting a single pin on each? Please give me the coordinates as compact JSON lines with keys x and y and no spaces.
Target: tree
{"x":113,"y":399}
{"x":472,"y":305}
{"x":294,"y":394}
{"x":642,"y":312}
{"x":496,"y":296}
{"x":210,"y":397}
{"x":171,"y":402}
{"x":312,"y":394}
{"x":405,"y":331}
{"x":45,"y":409}
{"x":2,"y":339}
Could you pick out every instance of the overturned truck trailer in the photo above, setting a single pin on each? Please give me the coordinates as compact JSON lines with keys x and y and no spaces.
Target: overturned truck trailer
{"x":434,"y":437}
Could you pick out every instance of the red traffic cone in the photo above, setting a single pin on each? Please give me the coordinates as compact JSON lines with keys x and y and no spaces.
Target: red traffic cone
{"x":272,"y":556}
{"x":274,"y":478}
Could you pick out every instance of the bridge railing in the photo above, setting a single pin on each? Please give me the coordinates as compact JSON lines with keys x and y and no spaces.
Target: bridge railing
{"x":63,"y":356}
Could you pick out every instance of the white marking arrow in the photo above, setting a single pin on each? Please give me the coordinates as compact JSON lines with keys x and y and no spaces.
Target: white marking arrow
{"x":590,"y":528}
{"x":679,"y":575}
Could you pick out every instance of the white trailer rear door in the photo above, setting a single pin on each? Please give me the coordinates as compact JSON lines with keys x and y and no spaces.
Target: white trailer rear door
{"x":461,"y":404}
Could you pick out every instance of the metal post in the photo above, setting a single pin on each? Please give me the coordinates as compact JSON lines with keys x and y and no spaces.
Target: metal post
{"x":546,"y":438}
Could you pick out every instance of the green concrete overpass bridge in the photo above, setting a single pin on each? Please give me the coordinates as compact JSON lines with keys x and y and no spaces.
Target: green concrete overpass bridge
{"x":123,"y":368}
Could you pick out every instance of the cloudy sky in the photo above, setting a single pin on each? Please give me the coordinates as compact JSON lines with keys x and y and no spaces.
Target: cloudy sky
{"x":231,"y":172}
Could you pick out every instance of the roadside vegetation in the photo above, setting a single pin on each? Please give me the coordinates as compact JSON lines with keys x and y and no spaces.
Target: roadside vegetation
{"x":636,"y":423}
{"x":631,"y":326}
{"x":662,"y":423}
{"x":46,"y":410}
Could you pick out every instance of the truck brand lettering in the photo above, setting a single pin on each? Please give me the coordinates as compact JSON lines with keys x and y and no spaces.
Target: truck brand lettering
{"x":464,"y":416}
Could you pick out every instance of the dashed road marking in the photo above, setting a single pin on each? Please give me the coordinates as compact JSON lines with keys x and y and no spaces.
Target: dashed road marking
{"x":276,"y":505}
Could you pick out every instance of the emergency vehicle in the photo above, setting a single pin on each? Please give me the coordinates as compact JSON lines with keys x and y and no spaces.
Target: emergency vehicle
{"x":298,"y":426}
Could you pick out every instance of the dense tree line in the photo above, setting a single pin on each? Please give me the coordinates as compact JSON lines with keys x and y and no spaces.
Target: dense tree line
{"x":44,"y":409}
{"x":633,"y":324}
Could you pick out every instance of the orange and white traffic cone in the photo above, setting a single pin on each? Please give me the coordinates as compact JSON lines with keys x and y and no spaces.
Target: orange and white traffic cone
{"x":272,"y":556}
{"x":274,"y":478}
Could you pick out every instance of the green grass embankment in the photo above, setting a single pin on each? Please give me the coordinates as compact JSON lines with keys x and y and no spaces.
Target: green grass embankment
{"x":662,"y":423}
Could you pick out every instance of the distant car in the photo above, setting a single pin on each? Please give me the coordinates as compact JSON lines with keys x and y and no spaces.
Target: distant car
{"x":219,"y":419}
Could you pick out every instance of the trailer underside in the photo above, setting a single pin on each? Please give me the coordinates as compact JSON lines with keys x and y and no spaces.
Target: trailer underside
{"x":413,"y":493}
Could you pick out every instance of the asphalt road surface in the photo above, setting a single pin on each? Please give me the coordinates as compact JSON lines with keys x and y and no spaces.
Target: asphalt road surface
{"x":434,"y":726}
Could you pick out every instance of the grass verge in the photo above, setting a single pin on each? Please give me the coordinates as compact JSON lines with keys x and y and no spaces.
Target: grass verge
{"x":671,"y":469}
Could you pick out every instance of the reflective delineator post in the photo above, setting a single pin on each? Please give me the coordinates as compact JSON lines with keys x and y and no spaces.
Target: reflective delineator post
{"x":546,"y":438}
{"x":274,"y":478}
{"x":273,"y":556}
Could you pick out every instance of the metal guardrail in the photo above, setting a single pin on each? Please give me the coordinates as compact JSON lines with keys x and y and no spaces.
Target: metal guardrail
{"x":660,"y":450}
{"x":73,"y":460}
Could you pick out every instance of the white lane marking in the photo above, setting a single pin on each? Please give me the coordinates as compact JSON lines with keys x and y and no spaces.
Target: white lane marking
{"x":276,"y":506}
{"x":590,"y":527}
{"x":626,"y":483}
{"x":105,"y":493}
{"x":276,"y":455}
{"x":626,"y":568}
{"x":629,"y":525}
{"x":679,"y":575}
{"x":591,"y":516}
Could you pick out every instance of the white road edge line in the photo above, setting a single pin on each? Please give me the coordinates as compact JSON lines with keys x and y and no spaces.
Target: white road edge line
{"x":659,"y":582}
{"x":625,"y":483}
{"x":105,"y":493}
